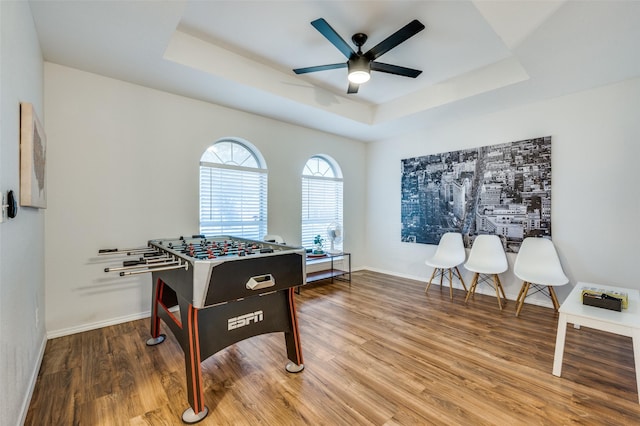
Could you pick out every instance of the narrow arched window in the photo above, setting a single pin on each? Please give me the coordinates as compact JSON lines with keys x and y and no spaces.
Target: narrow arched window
{"x":233,"y":190}
{"x":321,"y":199}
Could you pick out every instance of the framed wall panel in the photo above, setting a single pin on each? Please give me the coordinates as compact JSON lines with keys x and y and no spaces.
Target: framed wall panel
{"x":33,"y":146}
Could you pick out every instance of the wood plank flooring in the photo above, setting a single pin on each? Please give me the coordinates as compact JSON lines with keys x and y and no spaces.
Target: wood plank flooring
{"x":381,"y":352}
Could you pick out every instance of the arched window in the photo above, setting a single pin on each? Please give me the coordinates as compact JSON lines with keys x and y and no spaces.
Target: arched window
{"x":233,"y":190}
{"x":321,"y":199}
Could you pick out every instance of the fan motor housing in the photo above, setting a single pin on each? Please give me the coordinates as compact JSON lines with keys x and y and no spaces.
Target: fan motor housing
{"x":359,"y":63}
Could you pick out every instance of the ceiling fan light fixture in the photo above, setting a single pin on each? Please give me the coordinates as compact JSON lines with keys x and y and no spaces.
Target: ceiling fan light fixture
{"x":359,"y":70}
{"x":359,"y":76}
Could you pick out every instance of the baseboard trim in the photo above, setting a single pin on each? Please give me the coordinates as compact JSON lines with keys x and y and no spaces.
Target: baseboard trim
{"x":96,"y":325}
{"x":32,"y":381}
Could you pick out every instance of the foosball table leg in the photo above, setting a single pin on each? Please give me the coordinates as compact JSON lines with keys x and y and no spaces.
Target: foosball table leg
{"x":156,"y":340}
{"x":190,"y":417}
{"x":292,"y":367}
{"x":292,"y":337}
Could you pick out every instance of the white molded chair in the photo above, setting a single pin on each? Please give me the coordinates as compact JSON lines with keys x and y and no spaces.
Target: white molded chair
{"x":538,"y":265}
{"x":487,"y":260}
{"x":273,"y":238}
{"x":449,"y":254}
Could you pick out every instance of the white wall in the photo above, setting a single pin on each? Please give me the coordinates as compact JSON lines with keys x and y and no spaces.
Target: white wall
{"x":22,"y":336}
{"x":123,"y":169}
{"x":595,"y":195}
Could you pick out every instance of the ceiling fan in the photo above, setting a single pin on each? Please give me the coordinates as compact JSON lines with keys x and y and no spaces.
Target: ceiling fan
{"x":361,"y":64}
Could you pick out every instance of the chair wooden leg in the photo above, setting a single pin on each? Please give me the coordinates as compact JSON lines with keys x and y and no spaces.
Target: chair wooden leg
{"x":498,"y":286}
{"x":460,"y":278}
{"x":433,"y":274}
{"x":441,"y":277}
{"x":554,"y":298}
{"x":520,"y":292}
{"x":504,"y":296}
{"x":521,"y":296}
{"x":472,"y":287}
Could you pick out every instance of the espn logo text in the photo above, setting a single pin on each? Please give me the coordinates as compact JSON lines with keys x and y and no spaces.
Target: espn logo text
{"x":244,"y":320}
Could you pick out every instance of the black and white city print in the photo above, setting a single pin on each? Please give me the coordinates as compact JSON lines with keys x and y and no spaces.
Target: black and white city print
{"x":502,"y":189}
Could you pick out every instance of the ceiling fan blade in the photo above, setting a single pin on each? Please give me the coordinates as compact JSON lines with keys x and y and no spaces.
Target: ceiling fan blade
{"x":331,"y":35}
{"x":353,"y":88}
{"x":404,"y":33}
{"x":395,"y":69}
{"x":320,"y":68}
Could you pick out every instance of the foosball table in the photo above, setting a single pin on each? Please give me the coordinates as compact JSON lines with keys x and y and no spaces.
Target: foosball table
{"x":215,"y":291}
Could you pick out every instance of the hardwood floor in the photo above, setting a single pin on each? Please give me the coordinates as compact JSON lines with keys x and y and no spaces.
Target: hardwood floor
{"x":379,"y":353}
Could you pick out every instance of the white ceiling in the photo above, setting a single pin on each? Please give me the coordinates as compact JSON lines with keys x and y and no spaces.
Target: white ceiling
{"x":476,"y":56}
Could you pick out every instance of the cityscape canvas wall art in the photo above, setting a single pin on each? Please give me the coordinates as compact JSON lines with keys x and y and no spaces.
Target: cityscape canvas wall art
{"x":502,"y":189}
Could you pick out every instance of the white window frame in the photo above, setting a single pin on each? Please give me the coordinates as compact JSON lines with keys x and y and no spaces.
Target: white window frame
{"x":235,"y":177}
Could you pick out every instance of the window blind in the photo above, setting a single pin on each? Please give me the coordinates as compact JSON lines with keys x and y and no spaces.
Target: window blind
{"x":321,"y":206}
{"x":233,"y":201}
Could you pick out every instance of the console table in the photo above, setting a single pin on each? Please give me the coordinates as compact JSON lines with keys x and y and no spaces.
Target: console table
{"x":343,"y":273}
{"x":626,"y":323}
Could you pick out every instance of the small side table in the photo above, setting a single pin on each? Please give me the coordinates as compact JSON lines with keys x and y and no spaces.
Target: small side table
{"x":625,"y":323}
{"x":343,"y":274}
